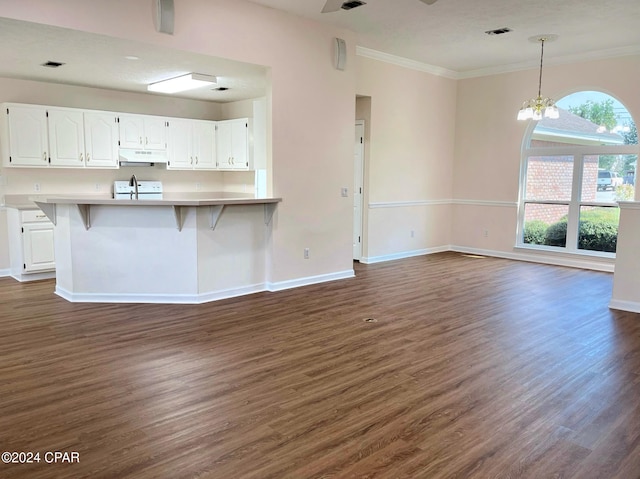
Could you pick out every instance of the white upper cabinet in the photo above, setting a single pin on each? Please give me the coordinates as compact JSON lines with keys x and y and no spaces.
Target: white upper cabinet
{"x":27,"y":131}
{"x":232,"y":140}
{"x":141,"y":131}
{"x":66,"y":137}
{"x":191,"y":144}
{"x":100,"y":139}
{"x":204,"y":144}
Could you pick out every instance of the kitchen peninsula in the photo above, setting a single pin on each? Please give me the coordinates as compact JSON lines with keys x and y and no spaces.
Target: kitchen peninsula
{"x":183,"y":248}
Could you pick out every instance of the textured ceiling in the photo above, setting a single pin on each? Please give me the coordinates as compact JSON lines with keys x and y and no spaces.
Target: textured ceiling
{"x":100,"y":61}
{"x":450,"y":33}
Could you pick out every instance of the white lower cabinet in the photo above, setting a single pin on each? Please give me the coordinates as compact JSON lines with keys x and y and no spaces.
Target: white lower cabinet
{"x":31,"y":245}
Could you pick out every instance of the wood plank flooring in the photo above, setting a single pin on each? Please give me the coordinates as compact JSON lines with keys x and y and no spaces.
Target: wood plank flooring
{"x":474,"y":368}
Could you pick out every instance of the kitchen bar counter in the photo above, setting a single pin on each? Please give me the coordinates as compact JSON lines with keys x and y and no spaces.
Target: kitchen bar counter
{"x":168,"y":199}
{"x":215,"y":200}
{"x":178,"y":249}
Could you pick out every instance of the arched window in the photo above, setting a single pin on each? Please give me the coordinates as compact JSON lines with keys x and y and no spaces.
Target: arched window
{"x":574,"y":170}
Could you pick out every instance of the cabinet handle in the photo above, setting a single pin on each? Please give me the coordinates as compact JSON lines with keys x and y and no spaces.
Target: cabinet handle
{"x":192,"y":160}
{"x":44,"y":156}
{"x":196,"y":160}
{"x":88,"y":158}
{"x":146,"y":140}
{"x":81,"y":158}
{"x":141,"y":140}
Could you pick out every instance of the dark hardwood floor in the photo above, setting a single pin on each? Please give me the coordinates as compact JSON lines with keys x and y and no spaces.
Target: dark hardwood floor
{"x":473,"y":368}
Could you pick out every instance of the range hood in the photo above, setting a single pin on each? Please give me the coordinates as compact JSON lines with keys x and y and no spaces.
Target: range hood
{"x":133,"y":157}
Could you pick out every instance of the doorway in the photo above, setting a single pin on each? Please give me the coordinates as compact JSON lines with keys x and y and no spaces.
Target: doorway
{"x":358,"y":183}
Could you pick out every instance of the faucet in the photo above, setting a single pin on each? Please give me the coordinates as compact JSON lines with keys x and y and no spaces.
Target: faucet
{"x":134,"y":182}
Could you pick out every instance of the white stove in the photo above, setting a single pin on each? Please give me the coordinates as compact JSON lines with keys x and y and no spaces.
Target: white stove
{"x":147,"y":190}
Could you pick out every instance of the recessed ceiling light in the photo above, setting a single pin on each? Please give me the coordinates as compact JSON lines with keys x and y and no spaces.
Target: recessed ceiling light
{"x":190,"y":81}
{"x":132,"y":57}
{"x":52,"y":64}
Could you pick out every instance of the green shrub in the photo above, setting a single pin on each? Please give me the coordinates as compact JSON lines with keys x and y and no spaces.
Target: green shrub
{"x":599,"y":230}
{"x":624,"y":193}
{"x":556,"y":234}
{"x":534,"y":232}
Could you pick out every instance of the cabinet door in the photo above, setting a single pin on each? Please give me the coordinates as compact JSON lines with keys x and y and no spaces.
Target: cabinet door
{"x":28,"y":144}
{"x":37,"y":241}
{"x":131,"y":131}
{"x":204,"y":145}
{"x":239,"y":145}
{"x":179,"y":146}
{"x":224,"y":146}
{"x":66,"y":138}
{"x":100,"y":140}
{"x":155,"y":133}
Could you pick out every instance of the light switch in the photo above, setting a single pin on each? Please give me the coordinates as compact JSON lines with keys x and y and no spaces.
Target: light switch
{"x":344,"y":192}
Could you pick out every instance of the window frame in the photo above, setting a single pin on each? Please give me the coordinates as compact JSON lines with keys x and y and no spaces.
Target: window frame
{"x":575,"y":203}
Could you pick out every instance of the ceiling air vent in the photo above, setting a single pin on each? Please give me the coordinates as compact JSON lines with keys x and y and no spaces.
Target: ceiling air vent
{"x":498,"y":31}
{"x":51,"y":64}
{"x":354,"y":4}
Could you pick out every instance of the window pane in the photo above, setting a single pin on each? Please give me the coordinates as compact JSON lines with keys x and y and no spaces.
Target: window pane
{"x":545,"y":224}
{"x":549,"y":178}
{"x":609,"y":178}
{"x":598,"y":228}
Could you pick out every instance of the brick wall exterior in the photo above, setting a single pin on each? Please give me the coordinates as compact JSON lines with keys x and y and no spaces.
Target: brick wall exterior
{"x":550,"y":178}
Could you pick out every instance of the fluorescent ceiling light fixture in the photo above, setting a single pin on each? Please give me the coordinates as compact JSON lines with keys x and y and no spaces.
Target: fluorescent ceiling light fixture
{"x":190,"y":81}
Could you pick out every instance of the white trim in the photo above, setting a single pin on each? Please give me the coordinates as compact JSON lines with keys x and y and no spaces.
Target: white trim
{"x":406,"y":63}
{"x":26,"y":277}
{"x":158,"y":298}
{"x":309,"y":280}
{"x":4,"y":273}
{"x":403,"y":254}
{"x":400,"y":204}
{"x":629,"y":205}
{"x":482,"y":72}
{"x":551,"y":259}
{"x":505,"y":204}
{"x":631,"y":306}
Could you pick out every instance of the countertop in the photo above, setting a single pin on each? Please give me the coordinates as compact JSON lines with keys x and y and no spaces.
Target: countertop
{"x":168,"y":199}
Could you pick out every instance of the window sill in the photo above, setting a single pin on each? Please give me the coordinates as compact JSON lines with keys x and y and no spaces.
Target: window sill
{"x":580,"y":259}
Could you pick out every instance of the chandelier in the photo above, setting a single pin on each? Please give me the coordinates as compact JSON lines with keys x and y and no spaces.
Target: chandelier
{"x":538,"y":107}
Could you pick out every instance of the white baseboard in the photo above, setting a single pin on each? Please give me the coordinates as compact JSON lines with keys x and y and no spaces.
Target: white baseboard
{"x":590,"y":263}
{"x":322,"y":278}
{"x":159,"y":298}
{"x":403,"y":254}
{"x":33,"y":276}
{"x":631,"y":306}
{"x":202,"y":297}
{"x":4,"y":273}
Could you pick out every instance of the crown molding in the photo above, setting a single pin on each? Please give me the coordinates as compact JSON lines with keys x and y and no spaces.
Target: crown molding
{"x":514,"y":67}
{"x":405,"y":62}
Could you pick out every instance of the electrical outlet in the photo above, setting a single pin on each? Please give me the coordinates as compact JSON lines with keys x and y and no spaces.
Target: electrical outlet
{"x":198,"y":186}
{"x":485,"y":233}
{"x":306,"y":253}
{"x":413,"y":234}
{"x":98,"y":187}
{"x":36,"y":187}
{"x":344,"y":192}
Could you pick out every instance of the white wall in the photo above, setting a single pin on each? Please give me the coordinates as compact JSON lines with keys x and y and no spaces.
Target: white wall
{"x":409,"y":165}
{"x":489,"y":140}
{"x":311,"y":107}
